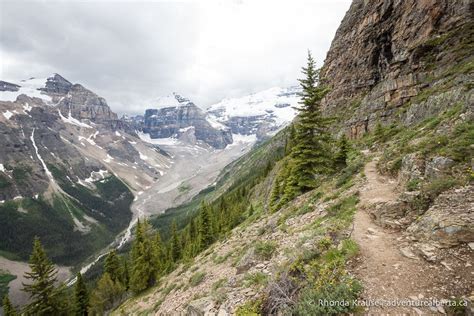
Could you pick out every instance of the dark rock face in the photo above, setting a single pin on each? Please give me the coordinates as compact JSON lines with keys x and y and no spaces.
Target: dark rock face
{"x":57,"y":85}
{"x":386,"y":53}
{"x":7,"y":86}
{"x":173,"y":121}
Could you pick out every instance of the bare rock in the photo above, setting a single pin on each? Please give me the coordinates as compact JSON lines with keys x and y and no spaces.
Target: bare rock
{"x":387,"y":214}
{"x":413,"y":167}
{"x":438,"y":167}
{"x":449,"y":221}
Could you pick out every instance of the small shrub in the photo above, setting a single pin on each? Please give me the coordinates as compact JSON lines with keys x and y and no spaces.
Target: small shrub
{"x":251,"y":308}
{"x":342,"y":293}
{"x":196,"y":278}
{"x":349,"y":248}
{"x":219,"y":283}
{"x":221,"y":259}
{"x":256,"y":278}
{"x":265,"y":250}
{"x":413,"y":185}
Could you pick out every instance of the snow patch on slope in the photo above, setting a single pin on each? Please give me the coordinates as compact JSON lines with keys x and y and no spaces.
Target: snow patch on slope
{"x":157,"y":141}
{"x":29,"y":87}
{"x":71,"y":120}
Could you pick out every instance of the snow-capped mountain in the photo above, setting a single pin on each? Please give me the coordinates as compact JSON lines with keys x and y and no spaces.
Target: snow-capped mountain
{"x":251,"y":118}
{"x":261,"y":114}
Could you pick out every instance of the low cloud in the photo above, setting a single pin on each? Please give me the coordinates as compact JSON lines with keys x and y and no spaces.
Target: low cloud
{"x":132,"y":52}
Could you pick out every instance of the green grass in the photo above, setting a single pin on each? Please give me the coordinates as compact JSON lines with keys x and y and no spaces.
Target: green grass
{"x":196,"y":278}
{"x":255,"y":279}
{"x":264,"y":249}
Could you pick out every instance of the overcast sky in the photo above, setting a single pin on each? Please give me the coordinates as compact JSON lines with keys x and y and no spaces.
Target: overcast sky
{"x":131,"y":52}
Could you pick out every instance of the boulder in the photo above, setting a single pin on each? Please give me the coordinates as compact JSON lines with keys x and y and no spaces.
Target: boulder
{"x":438,"y":167}
{"x":412,"y":168}
{"x":449,"y":221}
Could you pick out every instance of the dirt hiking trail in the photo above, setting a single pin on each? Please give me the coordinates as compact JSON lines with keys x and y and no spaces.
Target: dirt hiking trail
{"x":385,"y":273}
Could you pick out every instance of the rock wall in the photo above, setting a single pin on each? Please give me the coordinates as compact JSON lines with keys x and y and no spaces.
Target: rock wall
{"x":388,"y":54}
{"x":174,"y":121}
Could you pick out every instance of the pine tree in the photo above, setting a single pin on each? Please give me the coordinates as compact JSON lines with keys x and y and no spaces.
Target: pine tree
{"x":290,"y":141}
{"x":143,"y":268}
{"x":124,"y":272}
{"x":81,"y":297}
{"x":205,"y":227}
{"x":43,"y":293}
{"x":311,"y":153}
{"x":160,"y":257}
{"x":105,"y":295}
{"x":175,"y":244}
{"x":8,"y":309}
{"x":343,"y":151}
{"x":112,"y":266}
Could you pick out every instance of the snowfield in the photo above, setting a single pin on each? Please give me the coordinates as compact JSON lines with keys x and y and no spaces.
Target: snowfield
{"x":29,"y":87}
{"x":276,"y":102}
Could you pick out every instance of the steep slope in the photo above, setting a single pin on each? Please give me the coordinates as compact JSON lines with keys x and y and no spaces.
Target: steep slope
{"x":68,"y":170}
{"x":400,"y":75}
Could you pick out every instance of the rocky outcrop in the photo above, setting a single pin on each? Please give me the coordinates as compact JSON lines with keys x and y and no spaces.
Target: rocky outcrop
{"x":449,"y":221}
{"x":174,"y":121}
{"x":381,"y":63}
{"x":7,"y":86}
{"x":85,"y":104}
{"x":57,"y":85}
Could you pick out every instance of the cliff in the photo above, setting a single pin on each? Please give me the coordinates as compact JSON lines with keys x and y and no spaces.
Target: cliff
{"x":389,"y":56}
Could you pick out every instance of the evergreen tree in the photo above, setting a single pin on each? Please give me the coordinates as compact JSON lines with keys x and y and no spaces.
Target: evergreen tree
{"x":175,"y":244}
{"x":81,"y":297}
{"x":379,"y":132}
{"x":143,"y":269}
{"x":205,"y":227}
{"x":290,"y":141}
{"x":8,"y":309}
{"x":43,"y":293}
{"x":160,"y":257}
{"x":124,"y":272}
{"x":311,"y":153}
{"x":343,"y":151}
{"x":112,"y":266}
{"x":106,"y":295}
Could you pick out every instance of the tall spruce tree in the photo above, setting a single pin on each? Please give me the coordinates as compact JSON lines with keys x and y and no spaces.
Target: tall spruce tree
{"x":112,"y":266}
{"x":81,"y":297}
{"x":106,"y":295}
{"x":43,"y":293}
{"x":143,"y":256}
{"x":175,"y":243}
{"x":205,"y":226}
{"x":311,"y":153}
{"x":342,"y":152}
{"x":8,"y":309}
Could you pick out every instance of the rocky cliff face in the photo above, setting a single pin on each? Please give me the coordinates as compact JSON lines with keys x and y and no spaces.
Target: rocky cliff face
{"x":388,"y":56}
{"x":175,"y":121}
{"x":406,"y":69}
{"x":76,"y":100}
